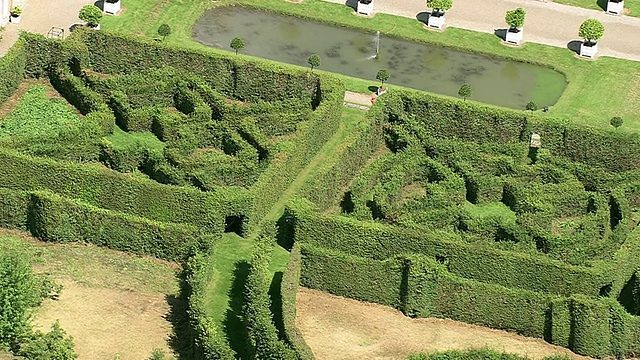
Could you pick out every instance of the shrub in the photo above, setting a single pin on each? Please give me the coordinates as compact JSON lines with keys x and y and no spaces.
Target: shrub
{"x":591,"y":30}
{"x":18,"y":294}
{"x":616,"y":122}
{"x":532,"y":106}
{"x":54,"y":345}
{"x":91,"y":14}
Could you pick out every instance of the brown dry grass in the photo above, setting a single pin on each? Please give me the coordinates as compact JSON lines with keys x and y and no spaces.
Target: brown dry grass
{"x":115,"y":305}
{"x":337,"y":328}
{"x":109,"y":323}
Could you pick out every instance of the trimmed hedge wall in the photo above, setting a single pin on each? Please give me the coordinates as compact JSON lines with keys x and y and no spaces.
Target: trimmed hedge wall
{"x":114,"y":191}
{"x":53,"y":218}
{"x":377,"y":241}
{"x":14,"y":209}
{"x":243,"y":79}
{"x":205,"y":338}
{"x":262,"y":332}
{"x":288,"y":293}
{"x":447,"y":118}
{"x":12,"y":67}
{"x":420,"y":286}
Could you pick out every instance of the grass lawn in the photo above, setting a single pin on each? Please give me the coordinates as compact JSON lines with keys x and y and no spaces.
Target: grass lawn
{"x":632,"y":5}
{"x":145,"y":139}
{"x":589,"y":98}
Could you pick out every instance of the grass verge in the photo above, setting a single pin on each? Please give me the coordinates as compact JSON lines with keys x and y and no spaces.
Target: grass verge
{"x":633,"y":6}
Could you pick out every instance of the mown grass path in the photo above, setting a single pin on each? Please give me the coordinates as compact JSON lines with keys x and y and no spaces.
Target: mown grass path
{"x":232,"y":253}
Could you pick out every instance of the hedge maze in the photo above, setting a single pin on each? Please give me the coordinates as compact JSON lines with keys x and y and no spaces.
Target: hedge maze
{"x":436,"y":207}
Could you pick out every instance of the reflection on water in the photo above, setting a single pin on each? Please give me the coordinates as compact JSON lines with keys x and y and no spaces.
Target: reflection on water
{"x":350,"y":52}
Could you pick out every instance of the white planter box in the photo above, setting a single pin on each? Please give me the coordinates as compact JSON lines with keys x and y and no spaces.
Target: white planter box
{"x":111,"y":8}
{"x":588,"y":51}
{"x":436,"y":22}
{"x":514,"y":37}
{"x":615,"y":7}
{"x":15,"y":19}
{"x":366,"y":9}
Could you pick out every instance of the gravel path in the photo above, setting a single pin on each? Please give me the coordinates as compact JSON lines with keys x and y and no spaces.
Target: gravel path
{"x":40,"y":16}
{"x":546,"y":22}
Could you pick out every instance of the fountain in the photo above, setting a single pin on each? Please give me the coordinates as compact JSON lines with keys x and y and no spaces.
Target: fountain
{"x":377,"y":45}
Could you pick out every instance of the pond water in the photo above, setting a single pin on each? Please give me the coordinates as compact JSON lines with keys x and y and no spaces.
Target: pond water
{"x":351,"y":52}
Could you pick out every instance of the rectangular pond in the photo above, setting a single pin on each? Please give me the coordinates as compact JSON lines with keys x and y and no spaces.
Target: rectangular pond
{"x":351,"y":52}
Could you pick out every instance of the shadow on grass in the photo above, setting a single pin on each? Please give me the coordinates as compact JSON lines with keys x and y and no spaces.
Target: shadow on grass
{"x":179,"y":341}
{"x":276,"y":303}
{"x":373,"y":88}
{"x":233,"y":323}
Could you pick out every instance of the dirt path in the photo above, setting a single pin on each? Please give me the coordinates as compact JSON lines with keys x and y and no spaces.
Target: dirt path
{"x":547,"y":22}
{"x":337,"y":328}
{"x":108,"y":323}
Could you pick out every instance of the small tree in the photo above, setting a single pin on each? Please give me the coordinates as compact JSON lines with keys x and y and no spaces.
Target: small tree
{"x":382,"y":76}
{"x":591,"y":30}
{"x":531,"y":105}
{"x":18,"y":293}
{"x":515,"y":18}
{"x":164,"y":30}
{"x":440,"y":5}
{"x":314,"y":61}
{"x":616,"y":122}
{"x":465,"y":91}
{"x":237,"y":43}
{"x":91,"y":14}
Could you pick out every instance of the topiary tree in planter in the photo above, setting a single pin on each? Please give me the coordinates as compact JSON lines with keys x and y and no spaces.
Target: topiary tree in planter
{"x":465,"y":91}
{"x":91,"y":14}
{"x":382,"y":76}
{"x":515,"y":20}
{"x":313,"y":61}
{"x":591,"y":30}
{"x":237,"y":43}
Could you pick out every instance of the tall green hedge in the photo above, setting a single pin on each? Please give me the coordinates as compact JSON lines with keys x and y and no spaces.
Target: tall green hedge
{"x":420,"y":286}
{"x":482,"y":263}
{"x":12,"y":67}
{"x":114,"y":191}
{"x":448,"y":118}
{"x":53,"y":218}
{"x":205,"y":339}
{"x":14,"y":209}
{"x":261,"y":329}
{"x":243,"y":79}
{"x":288,"y":292}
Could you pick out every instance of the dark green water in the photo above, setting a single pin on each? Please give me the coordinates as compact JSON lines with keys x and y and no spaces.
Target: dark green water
{"x":350,"y":52}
